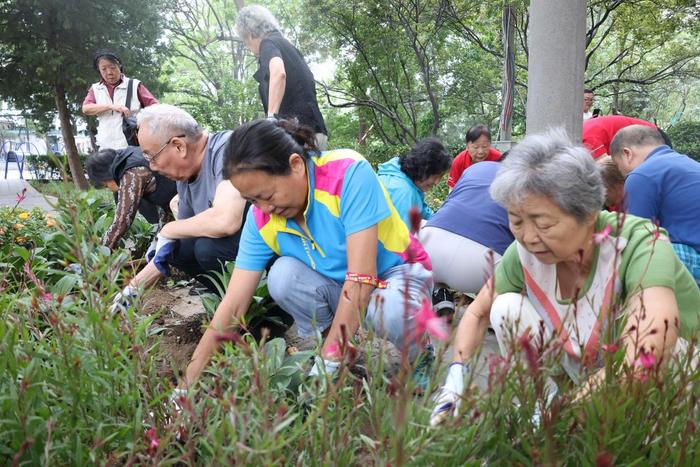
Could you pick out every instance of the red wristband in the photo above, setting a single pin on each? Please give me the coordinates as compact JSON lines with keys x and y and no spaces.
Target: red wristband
{"x":366,"y":279}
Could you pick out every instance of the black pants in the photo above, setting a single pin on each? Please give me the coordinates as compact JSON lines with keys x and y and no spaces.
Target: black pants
{"x":201,"y":256}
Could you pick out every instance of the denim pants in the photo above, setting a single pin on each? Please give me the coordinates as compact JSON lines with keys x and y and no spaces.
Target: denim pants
{"x":312,"y":299}
{"x":199,"y":257}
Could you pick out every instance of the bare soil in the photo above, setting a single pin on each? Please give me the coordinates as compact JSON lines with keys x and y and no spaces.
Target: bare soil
{"x":181,"y":318}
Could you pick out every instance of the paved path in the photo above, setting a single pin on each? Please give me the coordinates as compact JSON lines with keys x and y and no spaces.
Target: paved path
{"x":9,"y":189}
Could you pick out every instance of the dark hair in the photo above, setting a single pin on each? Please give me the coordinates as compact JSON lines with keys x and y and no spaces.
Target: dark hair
{"x":266,"y":145}
{"x":99,"y":166}
{"x":108,"y":55}
{"x":427,"y":158}
{"x":504,"y":154}
{"x":476,"y":132}
{"x":588,"y":91}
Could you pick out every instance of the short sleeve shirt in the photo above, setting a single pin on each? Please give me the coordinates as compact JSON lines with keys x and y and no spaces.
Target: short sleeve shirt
{"x":645,"y":262}
{"x":470,"y":212}
{"x":666,"y":188}
{"x":197,"y":195}
{"x":299,"y":100}
{"x":599,"y":132}
{"x":345,"y":197}
{"x":463,"y":161}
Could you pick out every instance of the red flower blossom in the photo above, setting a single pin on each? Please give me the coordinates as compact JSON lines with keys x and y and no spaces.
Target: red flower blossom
{"x":646,"y":360}
{"x":612,"y":348}
{"x":152,"y":440}
{"x":415,"y":219}
{"x":530,"y":353}
{"x":427,"y":321}
{"x":333,"y":351}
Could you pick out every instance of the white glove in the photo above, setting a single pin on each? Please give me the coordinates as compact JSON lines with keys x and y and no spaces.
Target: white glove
{"x":124,"y":299}
{"x":161,"y":241}
{"x":449,"y":396}
{"x":322,"y":366}
{"x":175,"y":399}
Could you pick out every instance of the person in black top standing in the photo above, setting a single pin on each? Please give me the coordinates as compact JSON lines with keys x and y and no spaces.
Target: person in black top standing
{"x":286,"y":84}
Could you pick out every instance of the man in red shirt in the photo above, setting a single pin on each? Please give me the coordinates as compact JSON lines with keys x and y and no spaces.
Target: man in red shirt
{"x":598,"y":132}
{"x":478,"y":149}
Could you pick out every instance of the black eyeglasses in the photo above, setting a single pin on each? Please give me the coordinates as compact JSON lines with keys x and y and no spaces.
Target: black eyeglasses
{"x":152,"y":158}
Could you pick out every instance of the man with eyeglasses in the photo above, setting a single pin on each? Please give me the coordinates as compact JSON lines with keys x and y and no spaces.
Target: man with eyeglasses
{"x":588,"y":98}
{"x":210,"y":211}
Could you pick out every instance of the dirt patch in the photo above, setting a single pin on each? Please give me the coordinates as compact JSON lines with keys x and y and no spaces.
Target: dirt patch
{"x":181,"y":317}
{"x":180,"y":322}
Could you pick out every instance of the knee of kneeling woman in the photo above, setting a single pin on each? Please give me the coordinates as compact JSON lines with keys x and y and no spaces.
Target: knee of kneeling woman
{"x":279,"y":276}
{"x":386,"y":317}
{"x":507,"y":308}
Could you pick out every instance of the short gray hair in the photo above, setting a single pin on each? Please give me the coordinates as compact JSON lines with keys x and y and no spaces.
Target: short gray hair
{"x":256,"y":21}
{"x":635,"y":135}
{"x":550,"y":165}
{"x":165,"y":121}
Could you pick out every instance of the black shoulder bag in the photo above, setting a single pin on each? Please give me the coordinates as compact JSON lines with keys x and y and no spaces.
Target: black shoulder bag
{"x":129,"y":123}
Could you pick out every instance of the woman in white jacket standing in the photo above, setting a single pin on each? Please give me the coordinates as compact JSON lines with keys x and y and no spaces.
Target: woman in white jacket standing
{"x":107,"y":99}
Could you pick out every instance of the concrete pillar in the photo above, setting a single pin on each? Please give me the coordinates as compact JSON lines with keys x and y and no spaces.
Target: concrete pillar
{"x":557,"y":44}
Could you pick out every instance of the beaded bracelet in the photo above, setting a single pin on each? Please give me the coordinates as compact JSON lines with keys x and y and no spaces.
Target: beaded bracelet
{"x":365,"y":279}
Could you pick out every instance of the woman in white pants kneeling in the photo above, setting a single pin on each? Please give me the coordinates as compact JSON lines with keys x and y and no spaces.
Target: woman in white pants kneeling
{"x":467,"y":236}
{"x":570,"y":269}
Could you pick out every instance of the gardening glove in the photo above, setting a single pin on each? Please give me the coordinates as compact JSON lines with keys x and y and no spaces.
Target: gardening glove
{"x":321,"y":366}
{"x":449,"y":396}
{"x":124,"y":299}
{"x":151,"y":252}
{"x":175,"y":399}
{"x":164,"y":248}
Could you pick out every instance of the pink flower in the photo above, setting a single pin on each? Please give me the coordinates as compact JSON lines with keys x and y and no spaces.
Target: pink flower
{"x":21,"y":196}
{"x":152,"y":440}
{"x":612,"y":348}
{"x":427,"y":321}
{"x":646,"y":360}
{"x":333,"y":350}
{"x":598,"y":237}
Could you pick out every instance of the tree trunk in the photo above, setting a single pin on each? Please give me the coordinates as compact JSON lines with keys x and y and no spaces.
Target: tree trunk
{"x":556,"y":66}
{"x":505,"y":123}
{"x":92,"y":132}
{"x":76,"y":169}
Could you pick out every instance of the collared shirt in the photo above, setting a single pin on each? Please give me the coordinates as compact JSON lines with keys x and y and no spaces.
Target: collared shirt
{"x":666,"y":188}
{"x":345,"y":197}
{"x":144,"y":95}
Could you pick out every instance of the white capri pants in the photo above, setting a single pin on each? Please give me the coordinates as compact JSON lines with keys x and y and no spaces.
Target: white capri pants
{"x":459,"y":262}
{"x":512,"y":314}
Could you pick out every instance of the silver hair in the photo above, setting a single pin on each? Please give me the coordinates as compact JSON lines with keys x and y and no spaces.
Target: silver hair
{"x":256,"y":21}
{"x":165,"y":121}
{"x":550,"y":165}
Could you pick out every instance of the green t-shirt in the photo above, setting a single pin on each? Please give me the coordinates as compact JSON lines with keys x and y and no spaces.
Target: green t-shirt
{"x":644,"y":263}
